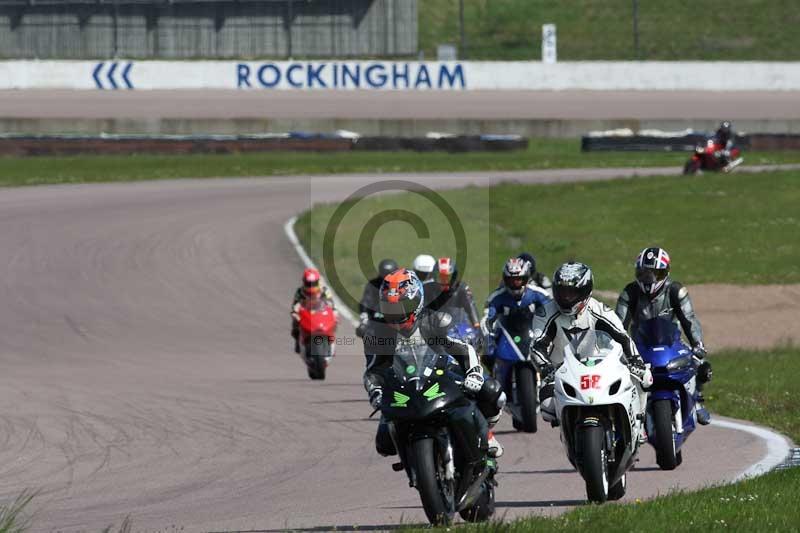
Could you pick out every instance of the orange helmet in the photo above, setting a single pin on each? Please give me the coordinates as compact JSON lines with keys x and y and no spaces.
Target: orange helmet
{"x":401,"y":298}
{"x":311,"y":285}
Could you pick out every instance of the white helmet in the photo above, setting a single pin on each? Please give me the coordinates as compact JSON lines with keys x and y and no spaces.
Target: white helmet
{"x":423,"y":266}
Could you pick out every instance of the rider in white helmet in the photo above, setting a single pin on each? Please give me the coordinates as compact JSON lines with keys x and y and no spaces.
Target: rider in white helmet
{"x":572,"y":312}
{"x":423,"y":266}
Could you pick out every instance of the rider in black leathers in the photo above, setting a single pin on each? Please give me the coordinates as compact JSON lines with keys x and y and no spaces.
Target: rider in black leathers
{"x":368,"y":305}
{"x":406,"y":324}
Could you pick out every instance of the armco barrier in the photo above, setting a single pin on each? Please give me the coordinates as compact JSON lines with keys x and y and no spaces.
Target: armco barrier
{"x":33,"y":145}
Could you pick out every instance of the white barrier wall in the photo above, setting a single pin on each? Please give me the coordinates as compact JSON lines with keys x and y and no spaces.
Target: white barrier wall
{"x":399,"y":75}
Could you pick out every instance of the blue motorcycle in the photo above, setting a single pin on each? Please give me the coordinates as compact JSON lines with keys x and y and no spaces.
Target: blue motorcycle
{"x":515,"y":371}
{"x":671,"y":402}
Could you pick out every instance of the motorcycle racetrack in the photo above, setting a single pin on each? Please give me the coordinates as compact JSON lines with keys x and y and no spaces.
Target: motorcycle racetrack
{"x":148,"y":371}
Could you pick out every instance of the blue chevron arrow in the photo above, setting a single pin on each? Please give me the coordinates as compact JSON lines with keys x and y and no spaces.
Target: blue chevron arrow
{"x":125,"y":72}
{"x":110,"y":75}
{"x":96,"y":73}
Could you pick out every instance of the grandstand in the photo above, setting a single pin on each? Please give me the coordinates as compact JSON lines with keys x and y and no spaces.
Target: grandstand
{"x":188,"y":29}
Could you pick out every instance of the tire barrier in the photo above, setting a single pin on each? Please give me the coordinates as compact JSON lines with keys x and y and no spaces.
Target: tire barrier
{"x":656,"y":141}
{"x":52,"y":145}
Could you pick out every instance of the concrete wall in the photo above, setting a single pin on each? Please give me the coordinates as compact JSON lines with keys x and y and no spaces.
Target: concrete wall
{"x":399,"y":75}
{"x":322,"y":28}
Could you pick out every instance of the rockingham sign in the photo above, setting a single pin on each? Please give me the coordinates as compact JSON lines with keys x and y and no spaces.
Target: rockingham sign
{"x":321,"y":75}
{"x":350,"y":75}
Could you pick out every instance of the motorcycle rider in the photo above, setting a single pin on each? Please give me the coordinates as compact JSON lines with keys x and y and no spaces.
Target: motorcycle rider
{"x":573,"y":311}
{"x":516,"y":299}
{"x":312,"y":287}
{"x":406,"y":324}
{"x":724,"y":137}
{"x":368,"y":305}
{"x":423,"y":266}
{"x":449,"y":293}
{"x":655,"y":294}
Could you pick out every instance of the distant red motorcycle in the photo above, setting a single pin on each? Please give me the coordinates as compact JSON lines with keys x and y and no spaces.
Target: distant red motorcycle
{"x":711,"y":157}
{"x":317,"y":322}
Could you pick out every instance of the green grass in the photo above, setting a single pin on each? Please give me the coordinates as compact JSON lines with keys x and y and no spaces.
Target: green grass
{"x":542,"y":153}
{"x":759,"y":386}
{"x":721,"y":228}
{"x":593,"y":30}
{"x":750,"y":385}
{"x":766,"y":503}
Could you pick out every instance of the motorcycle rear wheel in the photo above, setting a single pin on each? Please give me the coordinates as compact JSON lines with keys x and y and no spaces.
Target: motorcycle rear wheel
{"x":527,"y":397}
{"x":483,"y":509}
{"x":618,"y":491}
{"x":664,"y":441}
{"x":591,"y":440}
{"x":439,"y":508}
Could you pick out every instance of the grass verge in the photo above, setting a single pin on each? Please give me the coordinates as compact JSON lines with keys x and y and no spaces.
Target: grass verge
{"x":717,"y":229}
{"x":542,"y":153}
{"x":591,"y":30}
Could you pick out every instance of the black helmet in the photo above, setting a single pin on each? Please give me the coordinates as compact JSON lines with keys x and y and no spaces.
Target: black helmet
{"x":572,"y":286}
{"x":525,"y":256}
{"x":386,"y":267}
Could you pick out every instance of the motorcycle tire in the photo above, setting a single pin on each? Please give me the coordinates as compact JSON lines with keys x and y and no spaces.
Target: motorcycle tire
{"x":318,"y":351}
{"x":483,"y":509}
{"x":592,"y":450}
{"x":439,"y":508}
{"x":527,"y":397}
{"x":618,"y":490}
{"x":690,"y":168}
{"x":664,"y":441}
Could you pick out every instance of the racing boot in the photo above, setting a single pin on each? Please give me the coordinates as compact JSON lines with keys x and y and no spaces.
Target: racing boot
{"x":703,"y":416}
{"x":495,"y":448}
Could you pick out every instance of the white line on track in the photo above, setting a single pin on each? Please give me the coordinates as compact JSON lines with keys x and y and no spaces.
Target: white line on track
{"x":778,"y":446}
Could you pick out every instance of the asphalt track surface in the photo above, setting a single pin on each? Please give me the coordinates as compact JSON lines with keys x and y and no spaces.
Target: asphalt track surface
{"x":147,"y":371}
{"x":403,"y":105}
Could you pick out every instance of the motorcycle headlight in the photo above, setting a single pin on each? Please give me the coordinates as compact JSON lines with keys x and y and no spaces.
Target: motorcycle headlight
{"x":679,"y":363}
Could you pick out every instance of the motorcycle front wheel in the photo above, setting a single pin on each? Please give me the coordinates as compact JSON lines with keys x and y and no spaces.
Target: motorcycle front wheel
{"x":666,"y":457}
{"x":436,"y":492}
{"x":591,"y":440}
{"x":527,"y":397}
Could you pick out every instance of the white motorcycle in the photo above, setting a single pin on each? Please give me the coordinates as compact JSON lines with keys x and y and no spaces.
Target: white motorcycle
{"x":600,"y":409}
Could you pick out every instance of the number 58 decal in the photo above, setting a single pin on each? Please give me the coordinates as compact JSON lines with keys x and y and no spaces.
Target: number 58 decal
{"x":590,"y":382}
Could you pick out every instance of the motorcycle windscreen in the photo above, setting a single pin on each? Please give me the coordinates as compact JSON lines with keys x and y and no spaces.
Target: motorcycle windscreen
{"x":414,"y":363}
{"x":587,"y":344}
{"x":657,"y":332}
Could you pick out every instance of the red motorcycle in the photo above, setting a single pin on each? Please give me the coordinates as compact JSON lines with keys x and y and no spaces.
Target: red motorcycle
{"x":317,"y":321}
{"x":711,"y":156}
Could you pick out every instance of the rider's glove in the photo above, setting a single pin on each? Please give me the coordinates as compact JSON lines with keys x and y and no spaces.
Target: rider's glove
{"x":474,"y":380}
{"x":376,"y":397}
{"x":547,"y":372}
{"x":699,"y":350}
{"x":641,"y":372}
